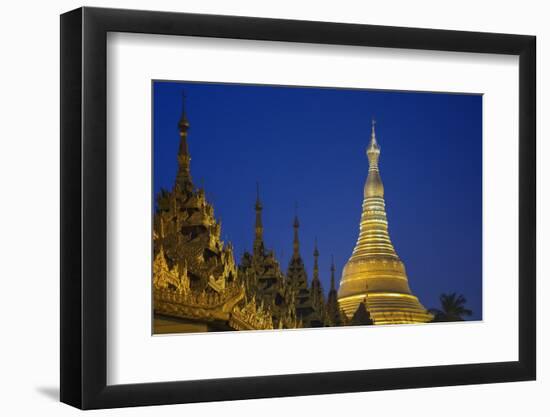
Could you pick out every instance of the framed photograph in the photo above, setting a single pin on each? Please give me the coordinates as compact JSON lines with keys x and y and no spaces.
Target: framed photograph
{"x":259,"y":208}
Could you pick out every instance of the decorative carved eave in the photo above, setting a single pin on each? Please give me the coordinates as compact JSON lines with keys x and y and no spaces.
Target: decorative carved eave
{"x":204,"y":306}
{"x":210,"y":307}
{"x":246,"y":319}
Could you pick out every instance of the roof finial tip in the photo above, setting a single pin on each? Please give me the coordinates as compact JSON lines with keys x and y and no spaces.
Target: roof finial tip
{"x":373,"y":141}
{"x":183,"y":123}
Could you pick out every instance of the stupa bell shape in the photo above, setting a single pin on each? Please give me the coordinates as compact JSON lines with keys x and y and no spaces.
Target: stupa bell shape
{"x":374,"y":274}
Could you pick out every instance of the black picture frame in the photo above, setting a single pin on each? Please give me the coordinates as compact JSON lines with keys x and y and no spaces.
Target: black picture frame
{"x":84,"y":207}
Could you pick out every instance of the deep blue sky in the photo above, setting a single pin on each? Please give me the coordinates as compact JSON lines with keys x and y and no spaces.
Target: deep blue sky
{"x":307,"y":145}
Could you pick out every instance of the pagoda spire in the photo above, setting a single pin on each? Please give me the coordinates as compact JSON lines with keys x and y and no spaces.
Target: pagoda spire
{"x":316,"y":262}
{"x":258,"y":227}
{"x":296,"y":243}
{"x":333,"y":309}
{"x":373,"y":150}
{"x":373,"y":236}
{"x":332,"y":269}
{"x":374,"y":269}
{"x":296,"y":269}
{"x":183,"y":178}
{"x":317,"y":295}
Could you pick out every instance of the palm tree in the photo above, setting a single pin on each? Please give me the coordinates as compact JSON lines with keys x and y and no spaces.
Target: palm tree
{"x":452,"y":308}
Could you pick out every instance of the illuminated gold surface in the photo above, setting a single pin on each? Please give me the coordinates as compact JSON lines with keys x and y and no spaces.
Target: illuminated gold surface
{"x":374,"y":273}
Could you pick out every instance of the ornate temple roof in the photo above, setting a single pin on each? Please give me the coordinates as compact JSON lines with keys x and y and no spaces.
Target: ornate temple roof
{"x":262,"y":275}
{"x":194,"y":273}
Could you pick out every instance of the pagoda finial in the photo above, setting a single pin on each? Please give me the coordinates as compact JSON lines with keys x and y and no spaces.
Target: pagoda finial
{"x":183,"y":123}
{"x":373,"y":150}
{"x":373,"y":142}
{"x":258,"y":228}
{"x":258,"y":203}
{"x":332,"y":269}
{"x":183,"y":178}
{"x":296,"y":226}
{"x":316,"y":262}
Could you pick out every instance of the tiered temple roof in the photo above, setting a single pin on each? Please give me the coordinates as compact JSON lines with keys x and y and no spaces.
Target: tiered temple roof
{"x":310,"y":307}
{"x":261,"y":273}
{"x":195,"y":281}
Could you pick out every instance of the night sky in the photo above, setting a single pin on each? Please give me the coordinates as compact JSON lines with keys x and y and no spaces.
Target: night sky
{"x":306,"y":147}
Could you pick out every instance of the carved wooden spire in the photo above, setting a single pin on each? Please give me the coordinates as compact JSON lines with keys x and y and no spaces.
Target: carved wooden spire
{"x":318,"y":298}
{"x":183,"y":178}
{"x":296,"y":269}
{"x":258,"y":227}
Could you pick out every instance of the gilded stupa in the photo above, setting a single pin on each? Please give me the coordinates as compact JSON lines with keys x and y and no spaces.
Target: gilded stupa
{"x":374,"y":275}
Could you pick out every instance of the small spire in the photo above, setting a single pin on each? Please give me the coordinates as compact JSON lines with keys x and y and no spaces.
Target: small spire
{"x":183,"y":178}
{"x":296,"y":244}
{"x":332,"y":269}
{"x":315,"y":262}
{"x":183,"y":123}
{"x":373,"y":142}
{"x":161,"y":252}
{"x":258,"y":227}
{"x":258,"y":203}
{"x":373,"y":150}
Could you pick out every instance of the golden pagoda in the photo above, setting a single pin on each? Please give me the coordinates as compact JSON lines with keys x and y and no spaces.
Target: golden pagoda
{"x":374,"y":275}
